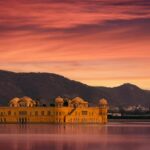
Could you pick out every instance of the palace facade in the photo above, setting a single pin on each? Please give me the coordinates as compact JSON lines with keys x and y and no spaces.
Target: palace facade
{"x":26,"y":110}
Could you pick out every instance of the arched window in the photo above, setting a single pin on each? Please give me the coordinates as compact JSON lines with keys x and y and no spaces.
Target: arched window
{"x":9,"y":112}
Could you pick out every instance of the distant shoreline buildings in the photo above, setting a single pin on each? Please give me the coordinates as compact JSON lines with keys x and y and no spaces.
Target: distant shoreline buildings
{"x":25,"y":110}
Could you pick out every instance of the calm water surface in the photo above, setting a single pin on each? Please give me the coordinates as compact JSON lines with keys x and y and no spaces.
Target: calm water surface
{"x":113,"y":136}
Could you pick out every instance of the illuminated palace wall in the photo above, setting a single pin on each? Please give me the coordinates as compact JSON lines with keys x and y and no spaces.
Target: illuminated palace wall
{"x":26,"y":110}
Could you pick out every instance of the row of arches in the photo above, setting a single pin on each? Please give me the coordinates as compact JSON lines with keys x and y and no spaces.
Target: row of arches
{"x":22,"y":120}
{"x":2,"y":120}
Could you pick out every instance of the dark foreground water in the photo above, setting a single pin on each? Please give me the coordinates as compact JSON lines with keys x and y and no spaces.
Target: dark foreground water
{"x":113,"y":136}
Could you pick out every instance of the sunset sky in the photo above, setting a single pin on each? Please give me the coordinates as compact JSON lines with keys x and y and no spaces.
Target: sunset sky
{"x":97,"y":42}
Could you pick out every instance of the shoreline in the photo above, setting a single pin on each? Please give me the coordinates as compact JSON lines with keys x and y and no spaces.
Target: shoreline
{"x":128,"y":120}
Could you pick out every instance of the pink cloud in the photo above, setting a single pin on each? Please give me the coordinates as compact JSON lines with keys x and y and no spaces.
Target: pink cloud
{"x":71,"y":38}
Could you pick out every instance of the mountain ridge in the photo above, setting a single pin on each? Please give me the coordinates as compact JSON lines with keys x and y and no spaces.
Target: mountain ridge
{"x":46,"y":86}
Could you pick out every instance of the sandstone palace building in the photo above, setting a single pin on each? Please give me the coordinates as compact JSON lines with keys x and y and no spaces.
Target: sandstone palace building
{"x":26,"y":110}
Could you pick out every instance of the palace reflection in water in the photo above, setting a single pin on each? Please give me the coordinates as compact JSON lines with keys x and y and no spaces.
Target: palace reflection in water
{"x":75,"y":137}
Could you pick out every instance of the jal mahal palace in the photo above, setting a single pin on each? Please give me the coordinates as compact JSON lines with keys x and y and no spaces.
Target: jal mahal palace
{"x":26,"y":110}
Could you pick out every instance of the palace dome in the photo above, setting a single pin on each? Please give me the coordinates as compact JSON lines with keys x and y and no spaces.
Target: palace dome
{"x":22,"y":102}
{"x":14,"y":100}
{"x":26,"y":98}
{"x":103,"y":101}
{"x":78,"y":100}
{"x":59,"y":100}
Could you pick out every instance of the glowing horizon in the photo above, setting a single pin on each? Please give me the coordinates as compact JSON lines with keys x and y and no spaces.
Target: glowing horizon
{"x":97,"y":42}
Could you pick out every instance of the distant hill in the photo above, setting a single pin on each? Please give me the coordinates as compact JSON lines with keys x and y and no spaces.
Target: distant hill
{"x":46,"y":86}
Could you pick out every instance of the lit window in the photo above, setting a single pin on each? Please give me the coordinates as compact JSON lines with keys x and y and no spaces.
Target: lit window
{"x":84,"y":112}
{"x":48,"y":113}
{"x":36,"y":113}
{"x":42,"y":113}
{"x":9,"y":112}
{"x":22,"y":112}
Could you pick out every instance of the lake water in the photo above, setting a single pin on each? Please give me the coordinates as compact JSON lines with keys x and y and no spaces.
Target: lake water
{"x":113,"y":136}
